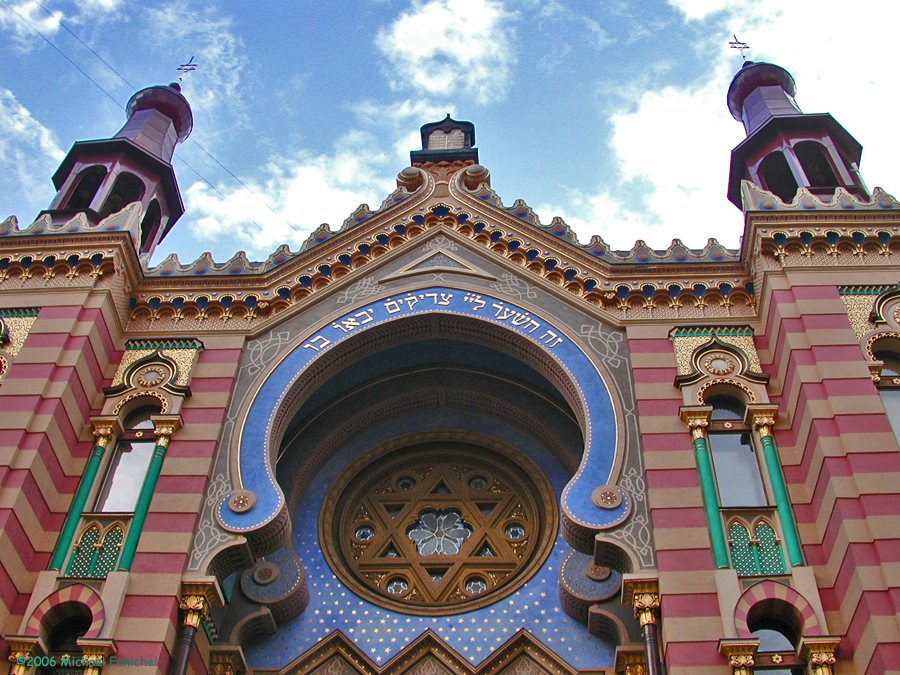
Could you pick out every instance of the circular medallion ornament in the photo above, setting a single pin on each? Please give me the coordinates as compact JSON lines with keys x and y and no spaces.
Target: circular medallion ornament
{"x":265,"y":573}
{"x":152,"y":375}
{"x":440,"y":527}
{"x":242,"y":501}
{"x":718,"y":364}
{"x":606,"y":497}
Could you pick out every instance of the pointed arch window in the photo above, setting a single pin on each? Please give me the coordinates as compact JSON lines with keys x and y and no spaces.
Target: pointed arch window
{"x":128,"y":188}
{"x":814,"y":161}
{"x":86,"y":186}
{"x":889,"y":388}
{"x":777,"y":176}
{"x":150,"y":224}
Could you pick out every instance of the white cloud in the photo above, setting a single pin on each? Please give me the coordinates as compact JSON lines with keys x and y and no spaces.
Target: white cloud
{"x":439,"y":47}
{"x":671,"y":143}
{"x":401,"y":121}
{"x":30,"y":153}
{"x":23,"y":18}
{"x":305,"y":191}
{"x":214,"y":87}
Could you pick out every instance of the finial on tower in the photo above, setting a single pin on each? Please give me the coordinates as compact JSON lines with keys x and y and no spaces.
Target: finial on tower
{"x":740,"y":46}
{"x":186,"y":68}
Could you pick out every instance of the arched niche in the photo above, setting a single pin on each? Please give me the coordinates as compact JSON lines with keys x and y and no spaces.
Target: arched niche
{"x":257,"y":507}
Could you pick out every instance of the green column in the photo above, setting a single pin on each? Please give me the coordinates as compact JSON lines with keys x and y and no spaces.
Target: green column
{"x":782,"y":503}
{"x":129,"y":546}
{"x":64,"y":543}
{"x":710,"y":499}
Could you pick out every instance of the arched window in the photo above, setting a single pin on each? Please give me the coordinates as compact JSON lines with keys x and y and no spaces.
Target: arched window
{"x":815,"y":164}
{"x":734,"y":458}
{"x":777,"y":176}
{"x":129,"y":463}
{"x":149,"y":224}
{"x":778,"y":639}
{"x":86,"y":186}
{"x":63,"y":640}
{"x":128,"y":188}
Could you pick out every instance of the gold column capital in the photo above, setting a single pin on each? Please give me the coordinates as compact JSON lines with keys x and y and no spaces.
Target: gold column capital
{"x":226,"y":660}
{"x":630,"y":661}
{"x":97,"y":652}
{"x":641,"y":593}
{"x":741,"y":654}
{"x":104,"y":427}
{"x":819,"y":653}
{"x":195,"y":608}
{"x":761,"y":417}
{"x":197,"y":597}
{"x":164,"y":426}
{"x":697,"y":418}
{"x":21,"y":647}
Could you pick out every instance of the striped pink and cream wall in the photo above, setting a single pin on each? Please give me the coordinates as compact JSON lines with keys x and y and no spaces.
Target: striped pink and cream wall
{"x":840,"y":461}
{"x":691,"y":623}
{"x":52,"y":388}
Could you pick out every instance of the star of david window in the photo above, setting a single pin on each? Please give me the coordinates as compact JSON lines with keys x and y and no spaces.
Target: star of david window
{"x":438,"y":528}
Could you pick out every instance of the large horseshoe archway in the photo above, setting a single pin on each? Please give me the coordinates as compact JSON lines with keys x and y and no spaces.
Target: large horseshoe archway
{"x":525,"y":332}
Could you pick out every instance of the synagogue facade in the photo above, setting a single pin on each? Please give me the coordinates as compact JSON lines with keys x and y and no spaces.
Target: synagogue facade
{"x":447,"y":439}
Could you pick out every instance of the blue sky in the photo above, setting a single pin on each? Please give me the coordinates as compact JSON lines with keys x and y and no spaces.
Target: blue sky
{"x":610,"y":114}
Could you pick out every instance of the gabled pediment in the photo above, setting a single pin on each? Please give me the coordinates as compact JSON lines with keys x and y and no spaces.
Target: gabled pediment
{"x":439,"y":258}
{"x":428,"y":654}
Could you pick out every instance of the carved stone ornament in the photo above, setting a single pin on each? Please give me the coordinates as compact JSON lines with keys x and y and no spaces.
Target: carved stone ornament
{"x":630,"y":661}
{"x":643,"y":596}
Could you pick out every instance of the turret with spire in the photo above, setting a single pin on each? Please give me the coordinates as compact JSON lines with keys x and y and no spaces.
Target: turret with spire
{"x":101,"y":177}
{"x":786,"y":149}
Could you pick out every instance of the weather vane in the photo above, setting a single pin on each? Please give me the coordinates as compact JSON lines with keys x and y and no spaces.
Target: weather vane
{"x":190,"y":67}
{"x":741,"y":46}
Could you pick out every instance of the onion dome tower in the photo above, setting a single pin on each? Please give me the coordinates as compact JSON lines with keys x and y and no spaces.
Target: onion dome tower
{"x":101,"y":177}
{"x":446,"y":141}
{"x":786,"y":149}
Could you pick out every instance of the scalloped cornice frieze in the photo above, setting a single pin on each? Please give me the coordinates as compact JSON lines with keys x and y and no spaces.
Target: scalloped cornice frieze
{"x":234,"y":308}
{"x":756,"y":199}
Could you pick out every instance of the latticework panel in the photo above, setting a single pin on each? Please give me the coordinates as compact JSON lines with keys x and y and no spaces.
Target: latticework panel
{"x":771,"y":559}
{"x":742,"y":555}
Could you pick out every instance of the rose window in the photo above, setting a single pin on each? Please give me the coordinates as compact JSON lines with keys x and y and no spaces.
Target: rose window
{"x":439,"y":533}
{"x":439,"y":527}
